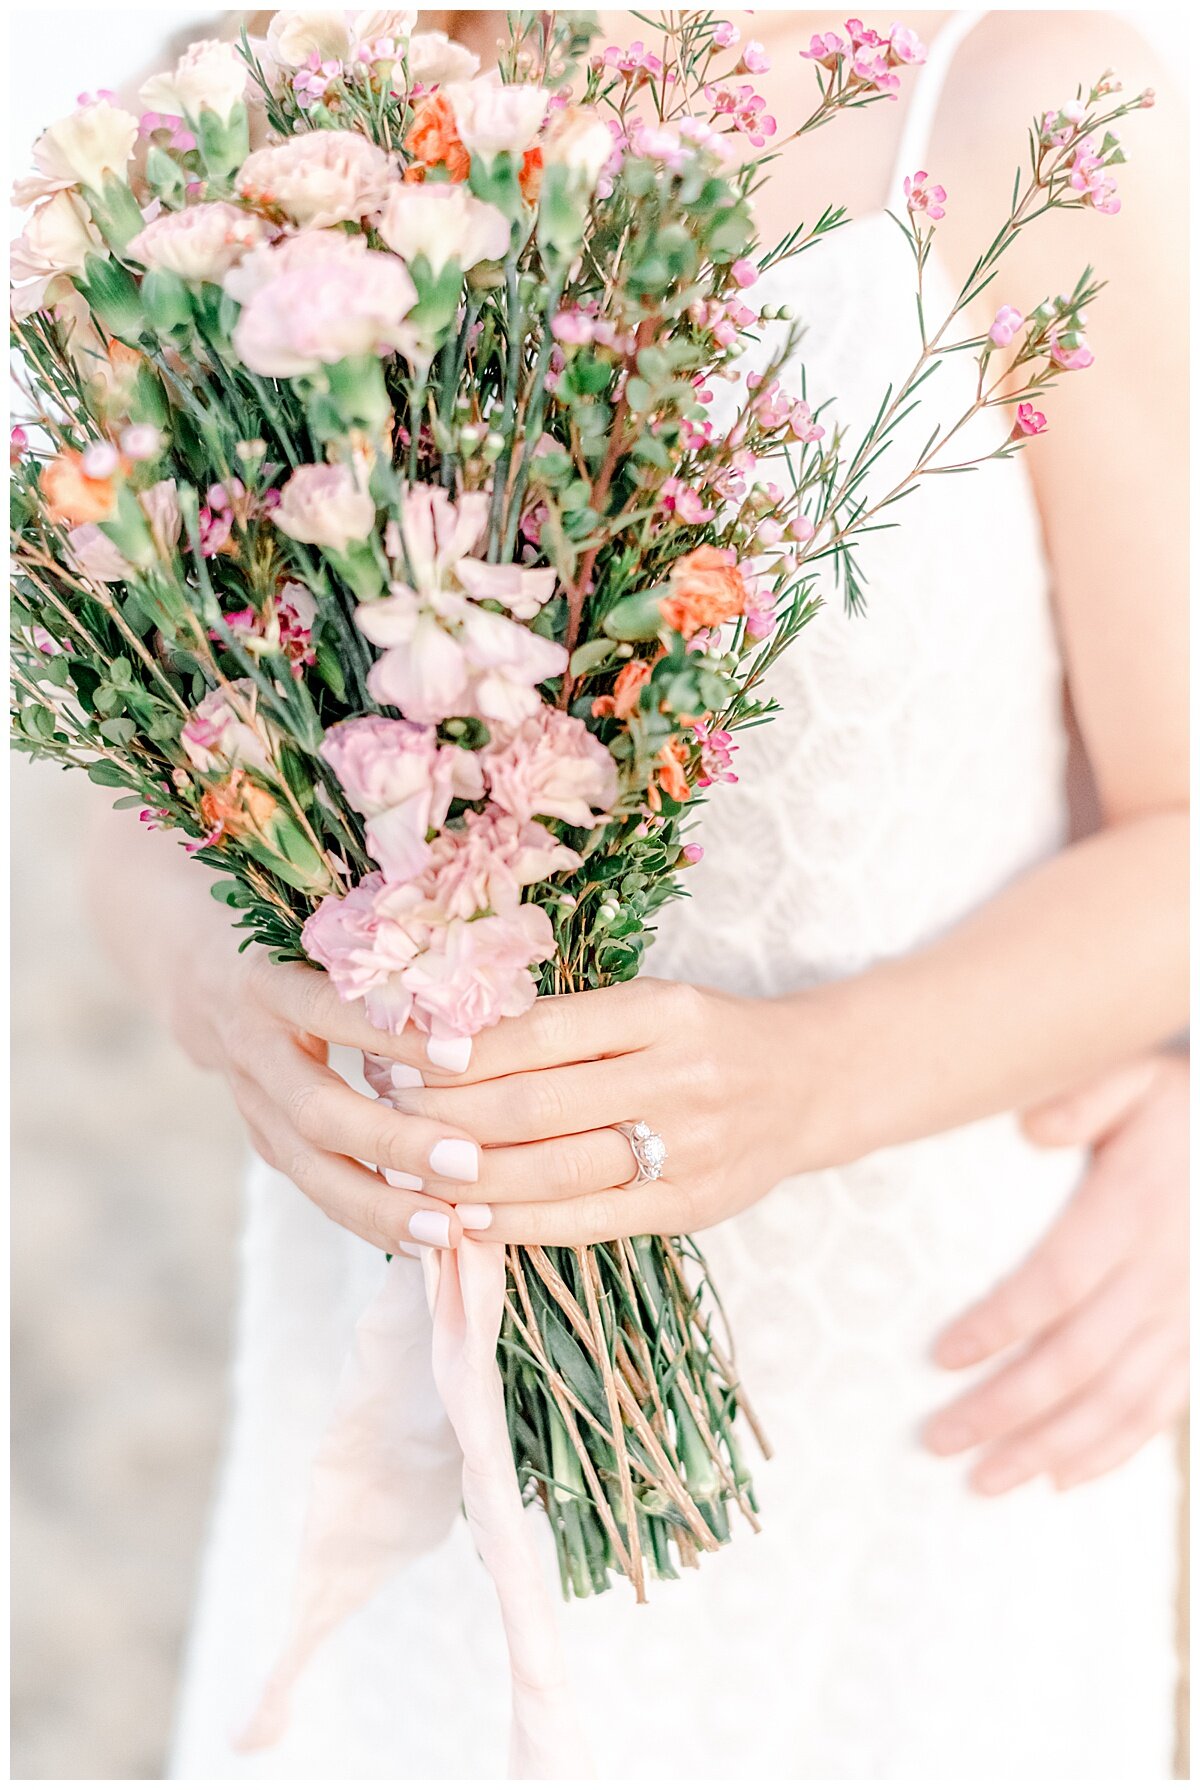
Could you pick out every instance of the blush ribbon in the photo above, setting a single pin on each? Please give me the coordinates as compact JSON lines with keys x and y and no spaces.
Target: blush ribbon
{"x":385,"y":1489}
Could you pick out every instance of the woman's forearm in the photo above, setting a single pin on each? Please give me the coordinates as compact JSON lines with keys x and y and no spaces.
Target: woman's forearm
{"x":1079,"y":964}
{"x":153,"y":910}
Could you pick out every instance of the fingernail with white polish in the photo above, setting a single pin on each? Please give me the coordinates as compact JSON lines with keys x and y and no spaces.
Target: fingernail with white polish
{"x":396,"y":1177}
{"x":452,"y":1054}
{"x":455,"y":1159}
{"x":474,"y":1218}
{"x":431,"y":1227}
{"x":404,"y":1075}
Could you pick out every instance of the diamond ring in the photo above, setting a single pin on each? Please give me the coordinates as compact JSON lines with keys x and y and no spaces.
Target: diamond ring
{"x":649,"y":1151}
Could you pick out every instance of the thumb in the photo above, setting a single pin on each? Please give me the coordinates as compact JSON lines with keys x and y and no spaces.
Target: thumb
{"x":1086,"y":1113}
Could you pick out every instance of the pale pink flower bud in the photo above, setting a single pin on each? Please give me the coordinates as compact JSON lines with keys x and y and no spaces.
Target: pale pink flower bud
{"x":1008,"y":320}
{"x":744,"y":273}
{"x":325,"y":507}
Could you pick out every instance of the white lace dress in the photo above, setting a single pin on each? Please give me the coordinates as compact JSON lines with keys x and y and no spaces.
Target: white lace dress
{"x":886,"y":1623}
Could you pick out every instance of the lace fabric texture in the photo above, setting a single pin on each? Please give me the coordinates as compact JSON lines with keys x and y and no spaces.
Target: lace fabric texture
{"x":886,"y":1623}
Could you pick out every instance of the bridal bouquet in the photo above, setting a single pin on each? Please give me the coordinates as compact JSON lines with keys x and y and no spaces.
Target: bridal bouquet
{"x":395,"y":518}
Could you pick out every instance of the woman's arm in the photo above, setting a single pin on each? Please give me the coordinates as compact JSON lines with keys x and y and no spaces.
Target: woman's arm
{"x":1073,"y":969}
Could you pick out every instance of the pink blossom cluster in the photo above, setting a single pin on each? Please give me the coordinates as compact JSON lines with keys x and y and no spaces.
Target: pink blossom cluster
{"x":440,"y":934}
{"x":865,"y":57}
{"x":744,"y":109}
{"x":1059,"y":127}
{"x":717,"y":748}
{"x":1091,"y":179}
{"x":635,"y":63}
{"x":684,"y":501}
{"x":311,"y":82}
{"x":724,"y":318}
{"x":774,"y":409}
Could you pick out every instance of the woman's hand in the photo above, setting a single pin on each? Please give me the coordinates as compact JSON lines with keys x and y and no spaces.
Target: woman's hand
{"x":1097,"y":1315}
{"x":266,"y":1028}
{"x":543,"y":1093}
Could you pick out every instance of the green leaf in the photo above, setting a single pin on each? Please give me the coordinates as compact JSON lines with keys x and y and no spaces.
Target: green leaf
{"x":638,"y":617}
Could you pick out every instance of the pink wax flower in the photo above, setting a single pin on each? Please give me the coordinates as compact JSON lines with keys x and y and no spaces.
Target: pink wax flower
{"x":634,"y":63}
{"x":692,"y":854}
{"x":744,"y":109}
{"x":725,"y":34}
{"x":1072,"y":355}
{"x":685,"y":502}
{"x":801,"y":424}
{"x":311,"y":83}
{"x":1029,"y":421}
{"x":716,"y":755}
{"x":755,"y":60}
{"x":924,"y":198}
{"x":905,"y":46}
{"x":743,"y":273}
{"x":1090,"y":178}
{"x":760,"y":614}
{"x":1007,"y":322}
{"x":801,"y":529}
{"x":873,"y":69}
{"x":216,"y":526}
{"x":550,"y":766}
{"x":18,"y":444}
{"x":827,"y":48}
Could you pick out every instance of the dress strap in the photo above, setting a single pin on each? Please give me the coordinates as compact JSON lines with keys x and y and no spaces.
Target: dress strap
{"x":918,"y":123}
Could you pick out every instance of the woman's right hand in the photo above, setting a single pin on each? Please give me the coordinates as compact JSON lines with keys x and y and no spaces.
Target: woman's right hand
{"x":266,"y":1028}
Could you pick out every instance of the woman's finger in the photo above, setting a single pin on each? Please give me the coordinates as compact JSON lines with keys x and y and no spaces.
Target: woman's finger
{"x":1165,"y":1405}
{"x":1085,"y":1114}
{"x":585,"y":1163}
{"x":1078,"y":1252}
{"x":1060,"y":1362}
{"x":525,"y":1109}
{"x":655,"y":1207}
{"x":361,"y":1201}
{"x":306,"y":1000}
{"x":557,"y":1029}
{"x":319,"y":1107}
{"x":1083,"y":1423}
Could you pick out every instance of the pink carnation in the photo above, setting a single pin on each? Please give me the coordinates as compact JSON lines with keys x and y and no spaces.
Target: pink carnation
{"x":551,"y":765}
{"x":364,"y":948}
{"x":483,"y":865}
{"x":403,"y":781}
{"x":477,"y":972}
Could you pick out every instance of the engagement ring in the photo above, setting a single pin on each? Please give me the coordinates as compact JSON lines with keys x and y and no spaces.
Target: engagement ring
{"x":649,"y":1151}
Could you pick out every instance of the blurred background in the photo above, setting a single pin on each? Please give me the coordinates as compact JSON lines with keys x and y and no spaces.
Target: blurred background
{"x":126,"y":1165}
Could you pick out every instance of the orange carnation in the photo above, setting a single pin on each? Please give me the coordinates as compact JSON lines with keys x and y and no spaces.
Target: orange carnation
{"x":706,"y":590}
{"x":236,"y":807}
{"x":669,"y":769}
{"x":70,"y":496}
{"x":530,"y":178}
{"x":623,"y":698}
{"x":434,"y":141}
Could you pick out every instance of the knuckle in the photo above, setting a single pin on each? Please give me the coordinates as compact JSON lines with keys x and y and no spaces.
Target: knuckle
{"x":301,"y":1169}
{"x":550,"y":1025}
{"x":572,"y":1171}
{"x":605,"y":1219}
{"x":383,"y":1213}
{"x":542,"y":1103}
{"x":307,"y":1109}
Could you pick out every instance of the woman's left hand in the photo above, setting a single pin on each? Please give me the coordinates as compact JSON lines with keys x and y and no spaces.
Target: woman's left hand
{"x":1092,"y":1329}
{"x":543,"y":1093}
